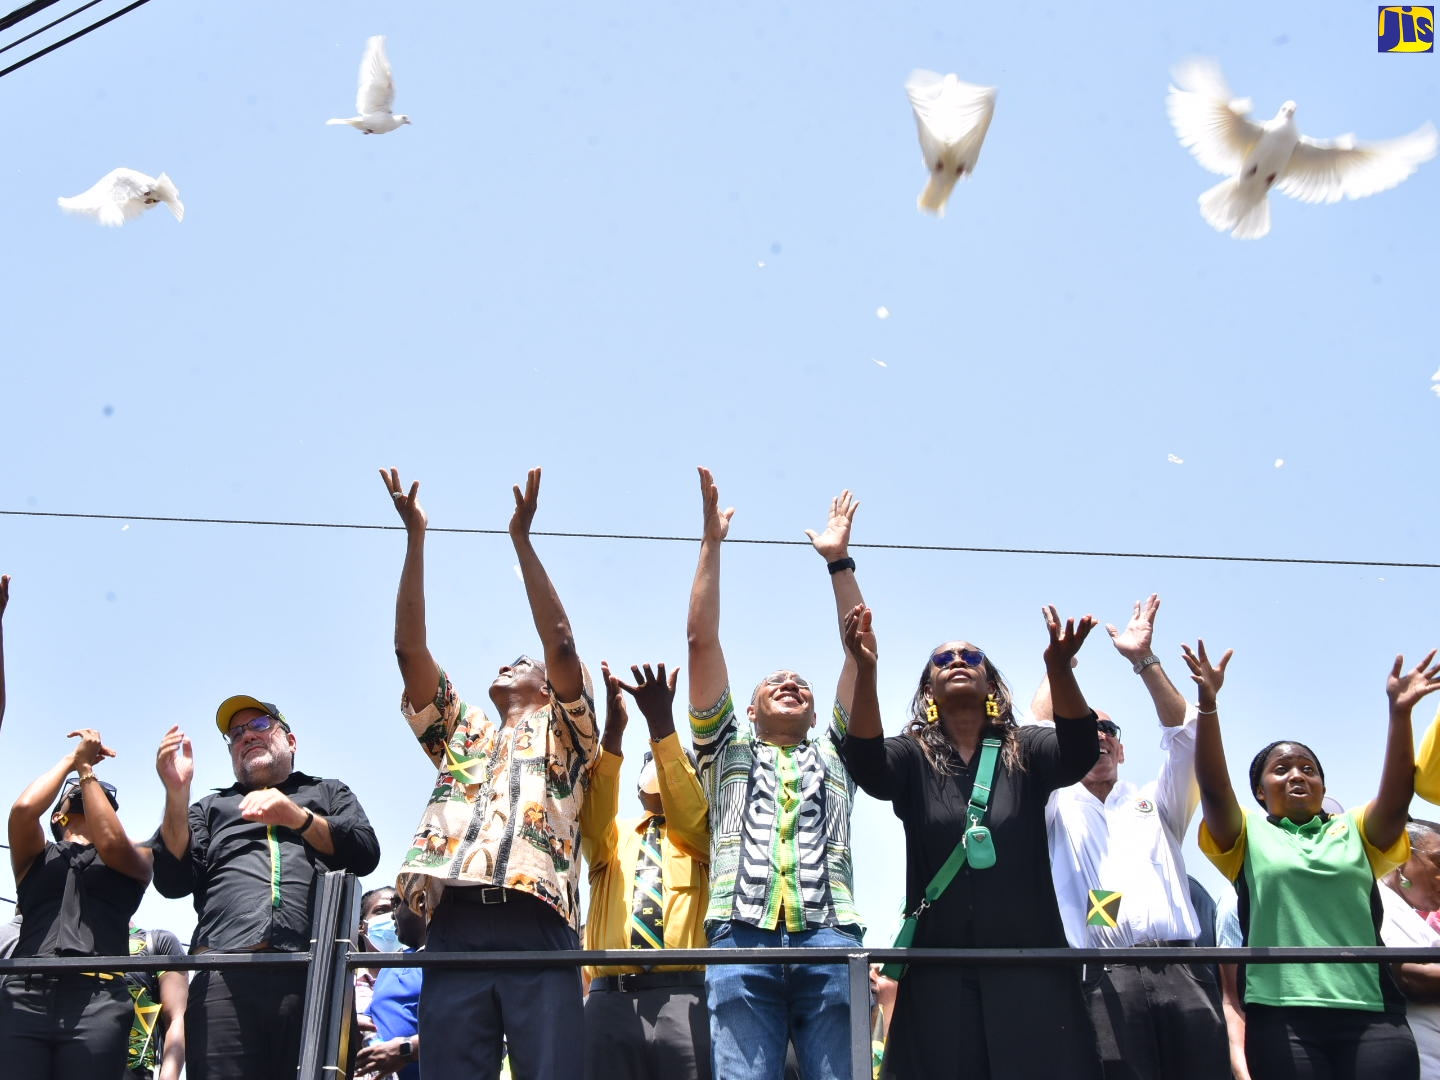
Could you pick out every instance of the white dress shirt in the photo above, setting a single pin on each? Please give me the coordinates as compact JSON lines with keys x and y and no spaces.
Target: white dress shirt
{"x":1128,"y":844}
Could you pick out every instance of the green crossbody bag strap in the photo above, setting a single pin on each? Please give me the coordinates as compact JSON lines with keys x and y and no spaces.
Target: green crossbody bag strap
{"x":979,"y":800}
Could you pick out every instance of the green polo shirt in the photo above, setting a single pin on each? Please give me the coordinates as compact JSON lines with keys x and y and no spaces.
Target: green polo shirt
{"x":1309,"y":885}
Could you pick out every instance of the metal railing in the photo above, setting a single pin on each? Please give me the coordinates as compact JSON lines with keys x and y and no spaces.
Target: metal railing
{"x":334,"y":956}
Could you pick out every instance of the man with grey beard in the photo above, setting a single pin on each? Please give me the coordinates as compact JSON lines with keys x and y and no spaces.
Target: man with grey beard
{"x":251,"y":854}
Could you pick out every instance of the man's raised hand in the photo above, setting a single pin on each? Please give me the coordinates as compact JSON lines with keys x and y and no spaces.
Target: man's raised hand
{"x":526,"y":503}
{"x":717,"y":521}
{"x":834,"y":542}
{"x":407,"y":506}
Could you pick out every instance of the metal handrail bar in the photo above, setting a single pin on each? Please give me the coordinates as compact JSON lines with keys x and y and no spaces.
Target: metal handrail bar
{"x":1369,"y":954}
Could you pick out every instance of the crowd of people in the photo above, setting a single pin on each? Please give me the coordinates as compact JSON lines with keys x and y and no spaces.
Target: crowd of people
{"x":1015,"y":835}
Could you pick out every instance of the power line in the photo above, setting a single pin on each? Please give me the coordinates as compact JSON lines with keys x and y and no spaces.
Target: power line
{"x":67,"y":40}
{"x":24,"y":12}
{"x":47,"y":26}
{"x":735,"y":540}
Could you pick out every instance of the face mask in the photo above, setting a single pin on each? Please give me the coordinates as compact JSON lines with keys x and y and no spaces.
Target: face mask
{"x":649,"y":779}
{"x":381,"y":932}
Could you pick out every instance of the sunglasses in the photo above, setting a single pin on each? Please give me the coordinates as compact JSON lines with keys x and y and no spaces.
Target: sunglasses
{"x":973,"y":657}
{"x":75,"y":793}
{"x":780,"y":678}
{"x":260,"y":723}
{"x":523,"y":661}
{"x":1109,"y":727}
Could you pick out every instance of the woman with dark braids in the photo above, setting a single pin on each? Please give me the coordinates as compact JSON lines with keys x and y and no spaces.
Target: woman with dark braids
{"x":1308,"y":878}
{"x":1009,"y":1023}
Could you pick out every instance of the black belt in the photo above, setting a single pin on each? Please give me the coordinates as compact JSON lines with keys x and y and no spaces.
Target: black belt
{"x":36,"y":978}
{"x":649,"y":980}
{"x":484,"y":894}
{"x":1089,"y":972}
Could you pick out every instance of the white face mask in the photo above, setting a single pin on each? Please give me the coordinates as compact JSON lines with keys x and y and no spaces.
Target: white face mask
{"x":381,"y":932}
{"x":649,"y":779}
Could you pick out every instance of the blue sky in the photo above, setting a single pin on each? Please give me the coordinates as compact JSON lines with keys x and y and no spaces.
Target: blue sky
{"x":560,"y":263}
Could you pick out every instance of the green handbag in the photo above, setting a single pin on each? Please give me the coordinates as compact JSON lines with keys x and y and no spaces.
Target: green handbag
{"x":975,"y":847}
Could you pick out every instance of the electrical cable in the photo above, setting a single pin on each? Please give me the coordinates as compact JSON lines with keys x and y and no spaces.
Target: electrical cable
{"x":736,"y":540}
{"x":67,"y":40}
{"x":47,"y":26}
{"x":24,"y":12}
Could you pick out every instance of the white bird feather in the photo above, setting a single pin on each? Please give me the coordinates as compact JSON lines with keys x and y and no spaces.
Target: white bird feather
{"x":376,"y":94}
{"x":1215,"y":127}
{"x":122,"y":195}
{"x":952,"y":118}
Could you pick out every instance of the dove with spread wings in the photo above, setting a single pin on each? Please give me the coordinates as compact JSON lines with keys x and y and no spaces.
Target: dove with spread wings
{"x":952,"y":118}
{"x":122,"y":195}
{"x":1215,"y":127}
{"x":376,"y":96}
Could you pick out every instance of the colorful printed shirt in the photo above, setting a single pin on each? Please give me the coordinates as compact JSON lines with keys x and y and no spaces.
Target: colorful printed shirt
{"x":1310,"y":885}
{"x":145,"y":1031}
{"x":505,"y":809}
{"x":779,"y":824}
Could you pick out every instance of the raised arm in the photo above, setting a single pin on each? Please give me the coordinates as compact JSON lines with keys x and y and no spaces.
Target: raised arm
{"x":708,"y":676}
{"x":562,"y":662}
{"x":682,"y":799}
{"x":599,"y":834}
{"x":862,"y":656}
{"x":834,"y":547}
{"x":102,"y":824}
{"x":175,"y":763}
{"x":1065,"y":641}
{"x":1218,"y":804}
{"x":1386,"y":815}
{"x":27,"y":827}
{"x":1134,"y":644}
{"x":418,"y":669}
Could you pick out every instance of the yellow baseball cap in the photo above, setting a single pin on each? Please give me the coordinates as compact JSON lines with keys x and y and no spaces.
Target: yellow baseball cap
{"x":225,"y":715}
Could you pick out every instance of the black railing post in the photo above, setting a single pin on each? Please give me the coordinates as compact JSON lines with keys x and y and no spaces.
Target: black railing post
{"x":329,"y":984}
{"x":858,"y":964}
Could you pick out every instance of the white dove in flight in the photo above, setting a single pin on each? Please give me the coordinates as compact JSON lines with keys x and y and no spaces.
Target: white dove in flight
{"x":122,"y":195}
{"x":952,"y":118}
{"x":1216,"y":129}
{"x":376,"y":96}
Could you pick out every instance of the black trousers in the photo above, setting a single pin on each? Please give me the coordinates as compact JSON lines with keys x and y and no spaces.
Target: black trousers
{"x":1310,"y":1043}
{"x":64,"y":1027}
{"x":661,"y":1033}
{"x":467,"y":1016}
{"x":244,"y":1025}
{"x":1155,"y":1022}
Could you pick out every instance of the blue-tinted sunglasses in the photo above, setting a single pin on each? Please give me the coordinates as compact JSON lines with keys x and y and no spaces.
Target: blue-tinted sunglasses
{"x":973,"y":657}
{"x":260,"y":723}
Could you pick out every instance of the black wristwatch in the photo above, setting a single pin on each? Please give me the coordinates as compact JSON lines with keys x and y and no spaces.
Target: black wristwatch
{"x":407,"y":1048}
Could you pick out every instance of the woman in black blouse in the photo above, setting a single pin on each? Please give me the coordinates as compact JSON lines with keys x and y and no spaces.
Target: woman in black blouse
{"x":76,"y":895}
{"x":1006,"y":1022}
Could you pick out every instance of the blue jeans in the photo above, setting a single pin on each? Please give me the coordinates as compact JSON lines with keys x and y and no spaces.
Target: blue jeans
{"x":756,"y":1009}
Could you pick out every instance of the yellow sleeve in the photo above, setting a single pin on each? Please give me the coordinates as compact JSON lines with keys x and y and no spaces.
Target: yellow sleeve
{"x":1381,"y":862}
{"x":1427,"y":764}
{"x":1231,"y":862}
{"x":687,"y":814}
{"x":599,"y":835}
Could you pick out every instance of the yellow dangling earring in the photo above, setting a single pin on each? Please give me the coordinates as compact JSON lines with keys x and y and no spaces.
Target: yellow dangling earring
{"x":931,"y":713}
{"x":992,"y":706}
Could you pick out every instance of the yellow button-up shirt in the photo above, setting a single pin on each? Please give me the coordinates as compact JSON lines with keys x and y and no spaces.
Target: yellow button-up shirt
{"x":1427,"y":763}
{"x":611,"y":848}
